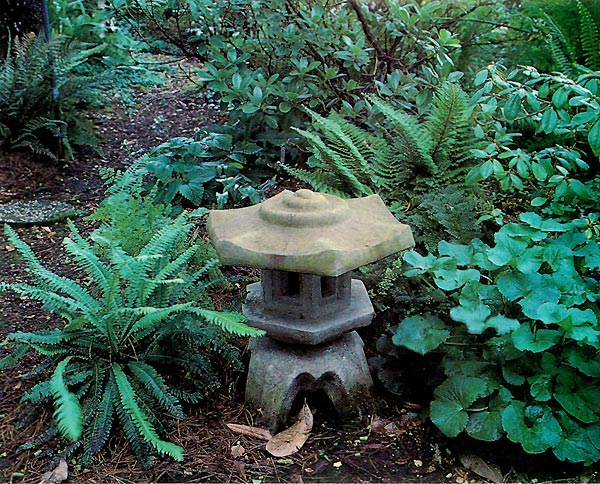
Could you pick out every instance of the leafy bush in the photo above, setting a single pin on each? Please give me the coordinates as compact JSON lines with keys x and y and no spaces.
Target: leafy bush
{"x":36,"y":115}
{"x":136,"y":319}
{"x":93,"y":24}
{"x":558,"y":119}
{"x":264,"y":60}
{"x":216,"y":166}
{"x":515,"y":315}
{"x":407,"y":162}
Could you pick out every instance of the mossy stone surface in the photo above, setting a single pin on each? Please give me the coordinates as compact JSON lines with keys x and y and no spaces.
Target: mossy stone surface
{"x":37,"y":212}
{"x":308,"y":232}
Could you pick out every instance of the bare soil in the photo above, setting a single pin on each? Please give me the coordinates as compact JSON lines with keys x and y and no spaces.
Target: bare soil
{"x":396,"y":445}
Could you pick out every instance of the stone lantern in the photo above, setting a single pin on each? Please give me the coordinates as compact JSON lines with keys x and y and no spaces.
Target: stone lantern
{"x":307,"y":244}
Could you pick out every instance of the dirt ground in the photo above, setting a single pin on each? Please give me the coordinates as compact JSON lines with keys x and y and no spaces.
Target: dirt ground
{"x":394,"y":444}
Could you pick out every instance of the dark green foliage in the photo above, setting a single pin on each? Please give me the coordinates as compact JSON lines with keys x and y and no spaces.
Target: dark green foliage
{"x":516,"y":316}
{"x":218,"y":166}
{"x":17,"y":19}
{"x":573,"y":35}
{"x":265,"y":60}
{"x":403,"y":160}
{"x":140,"y":316}
{"x":30,"y":117}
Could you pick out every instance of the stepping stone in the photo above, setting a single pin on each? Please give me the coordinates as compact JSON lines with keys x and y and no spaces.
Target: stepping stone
{"x":37,"y":212}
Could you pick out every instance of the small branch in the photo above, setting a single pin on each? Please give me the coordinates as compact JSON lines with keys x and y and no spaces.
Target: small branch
{"x":365,"y":26}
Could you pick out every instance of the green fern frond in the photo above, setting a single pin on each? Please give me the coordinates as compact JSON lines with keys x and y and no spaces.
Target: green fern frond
{"x":563,"y":52}
{"x":319,"y":180}
{"x":140,"y":447}
{"x":46,"y":436}
{"x":152,"y":317}
{"x":46,"y":337}
{"x":157,"y":387}
{"x":559,"y":56}
{"x":172,"y":268}
{"x":140,"y":419}
{"x":339,"y":154}
{"x":98,"y":430}
{"x":449,"y":125}
{"x":54,"y":302}
{"x":68,"y":410}
{"x":233,"y":323}
{"x":589,"y":37}
{"x":408,"y":138}
{"x":13,"y":358}
{"x":90,"y":263}
{"x":39,"y":392}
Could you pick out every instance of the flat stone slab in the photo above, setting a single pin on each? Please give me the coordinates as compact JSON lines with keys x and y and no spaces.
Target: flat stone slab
{"x":308,"y":232}
{"x":279,"y":373}
{"x":37,"y":212}
{"x":308,"y":331}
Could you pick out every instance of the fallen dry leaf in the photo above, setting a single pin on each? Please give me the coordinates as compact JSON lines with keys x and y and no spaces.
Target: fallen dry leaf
{"x":240,"y":468}
{"x":237,"y":451}
{"x":476,"y":464}
{"x":59,"y":474}
{"x":291,"y":440}
{"x":255,"y":432}
{"x":378,"y":424}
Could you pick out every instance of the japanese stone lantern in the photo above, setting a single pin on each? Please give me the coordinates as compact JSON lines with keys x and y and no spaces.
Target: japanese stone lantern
{"x":307,"y":244}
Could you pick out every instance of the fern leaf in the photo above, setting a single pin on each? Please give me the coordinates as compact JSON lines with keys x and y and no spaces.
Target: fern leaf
{"x":140,"y":419}
{"x":173,"y":267}
{"x":90,"y":263}
{"x":157,"y":387}
{"x":409,"y":137}
{"x":97,"y":432}
{"x":320,"y":180}
{"x":13,"y":358}
{"x":39,"y":392}
{"x":54,"y":302}
{"x":589,"y":37}
{"x":449,"y":124}
{"x":153,"y":317}
{"x":563,"y":52}
{"x":68,"y":410}
{"x":233,"y":323}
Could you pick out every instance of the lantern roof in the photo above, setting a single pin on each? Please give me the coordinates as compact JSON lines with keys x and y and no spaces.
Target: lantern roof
{"x":308,"y":232}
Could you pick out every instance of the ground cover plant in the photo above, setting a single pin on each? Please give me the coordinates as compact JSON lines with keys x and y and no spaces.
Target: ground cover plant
{"x":493,"y":317}
{"x":516,"y":315}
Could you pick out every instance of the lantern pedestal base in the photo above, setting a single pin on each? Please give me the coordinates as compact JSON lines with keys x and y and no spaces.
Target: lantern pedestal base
{"x":279,"y":373}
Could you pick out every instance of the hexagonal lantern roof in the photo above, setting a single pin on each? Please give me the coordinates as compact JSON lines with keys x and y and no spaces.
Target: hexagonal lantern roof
{"x":308,"y":232}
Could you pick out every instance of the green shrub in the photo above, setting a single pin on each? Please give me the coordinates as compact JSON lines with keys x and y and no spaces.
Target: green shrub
{"x":264,"y":60}
{"x":34,"y":114}
{"x":515,"y":315}
{"x":135,"y":320}
{"x":93,"y":24}
{"x":218,"y":166}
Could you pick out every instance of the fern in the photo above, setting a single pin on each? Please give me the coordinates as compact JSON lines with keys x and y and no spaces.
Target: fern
{"x":140,"y":419}
{"x":402,"y":159}
{"x":30,"y":118}
{"x":573,"y":52}
{"x":157,"y":387}
{"x":138,"y":314}
{"x":589,"y":38}
{"x":97,"y":432}
{"x":68,"y":411}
